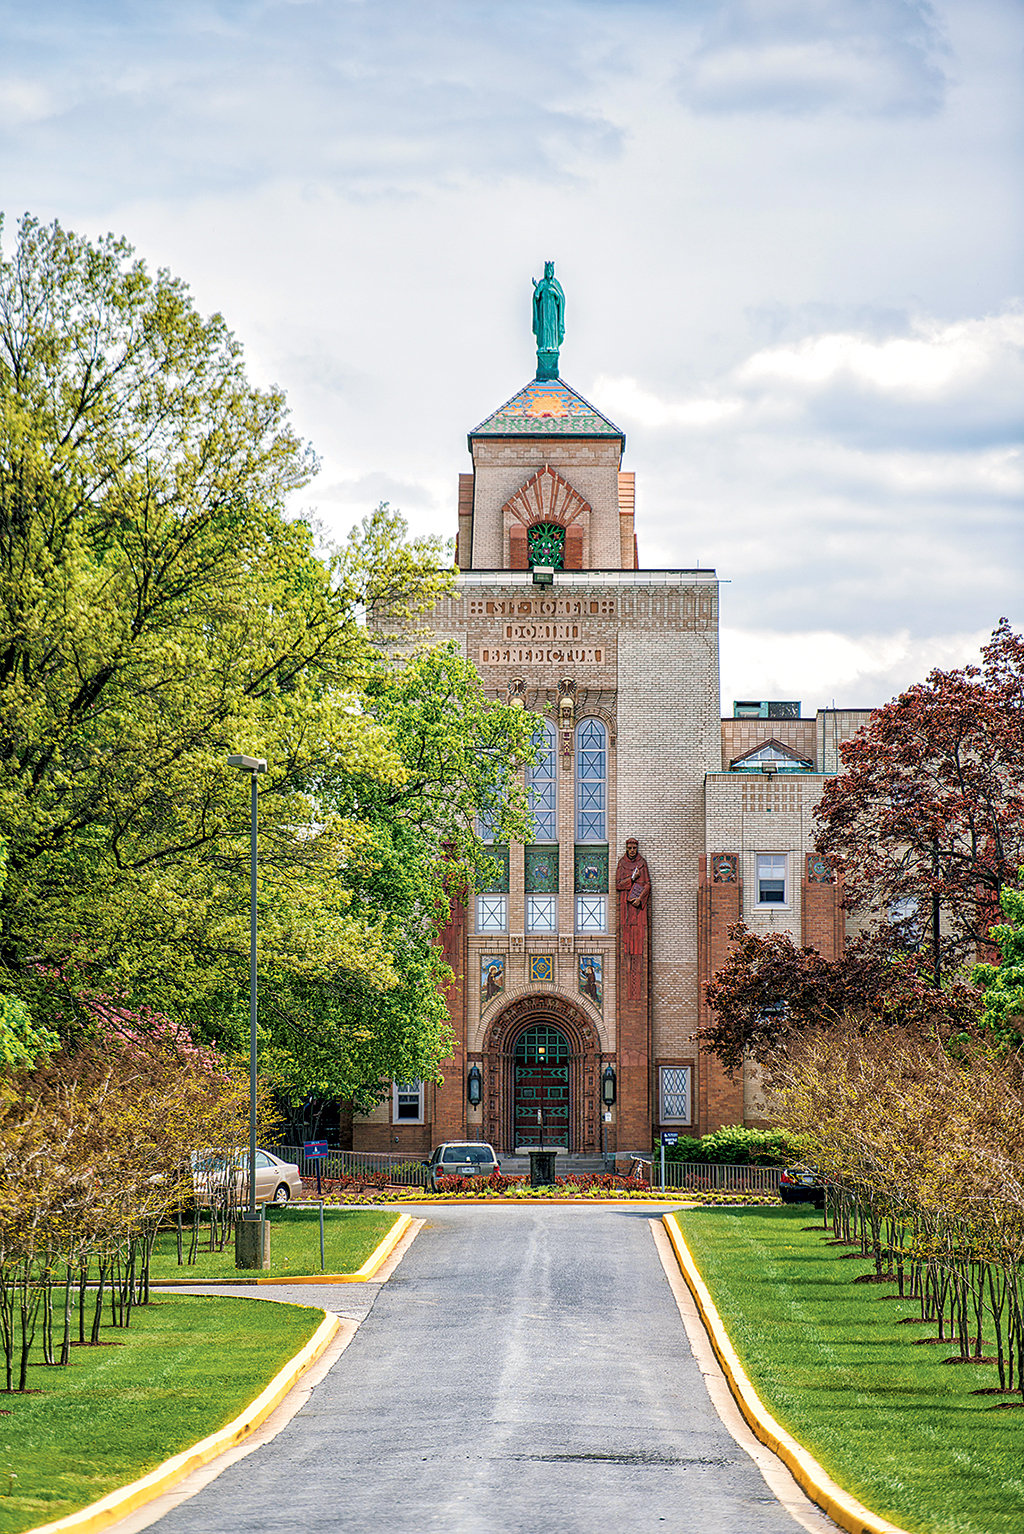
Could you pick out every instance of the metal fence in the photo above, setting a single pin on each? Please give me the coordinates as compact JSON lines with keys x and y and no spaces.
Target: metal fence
{"x":410,"y":1172}
{"x":406,"y":1171}
{"x":702,"y":1177}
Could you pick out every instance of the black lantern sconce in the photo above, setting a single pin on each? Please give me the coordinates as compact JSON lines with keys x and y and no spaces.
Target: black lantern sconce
{"x":474,"y":1086}
{"x":608,"y":1086}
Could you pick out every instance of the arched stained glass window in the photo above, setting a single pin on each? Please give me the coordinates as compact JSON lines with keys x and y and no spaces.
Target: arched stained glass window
{"x":545,"y":543}
{"x":542,"y":782}
{"x":591,"y":781}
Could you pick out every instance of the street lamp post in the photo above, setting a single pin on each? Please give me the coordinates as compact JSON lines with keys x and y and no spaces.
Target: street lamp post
{"x":249,"y":1246}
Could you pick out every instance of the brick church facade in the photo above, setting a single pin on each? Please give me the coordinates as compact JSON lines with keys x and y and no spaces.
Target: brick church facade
{"x":577,"y":1001}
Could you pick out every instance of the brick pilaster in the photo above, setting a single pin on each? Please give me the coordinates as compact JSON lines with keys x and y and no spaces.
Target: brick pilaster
{"x":449,"y":1117}
{"x":719,"y":907}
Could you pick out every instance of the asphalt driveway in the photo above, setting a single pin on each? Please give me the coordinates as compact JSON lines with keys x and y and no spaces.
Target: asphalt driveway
{"x":524,"y":1371}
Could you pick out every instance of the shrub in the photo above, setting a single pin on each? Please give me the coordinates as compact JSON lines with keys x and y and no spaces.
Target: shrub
{"x":737,"y":1145}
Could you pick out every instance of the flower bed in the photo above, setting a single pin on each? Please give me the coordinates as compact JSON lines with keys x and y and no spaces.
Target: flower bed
{"x":374,"y":1188}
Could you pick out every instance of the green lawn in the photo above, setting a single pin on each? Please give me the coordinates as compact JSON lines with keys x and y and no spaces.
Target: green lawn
{"x":186,"y":1366}
{"x":892,"y":1423}
{"x":350,"y":1235}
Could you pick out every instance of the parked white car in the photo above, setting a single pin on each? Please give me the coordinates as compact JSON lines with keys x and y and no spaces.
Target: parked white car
{"x":277,"y":1181}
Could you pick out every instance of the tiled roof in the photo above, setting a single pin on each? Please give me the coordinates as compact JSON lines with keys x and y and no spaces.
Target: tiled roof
{"x":547,"y":408}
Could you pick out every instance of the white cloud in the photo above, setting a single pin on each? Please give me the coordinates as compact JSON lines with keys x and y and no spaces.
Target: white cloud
{"x":830,"y":667}
{"x":933,"y":360}
{"x":625,"y":397}
{"x":22,"y":102}
{"x":797,"y":57}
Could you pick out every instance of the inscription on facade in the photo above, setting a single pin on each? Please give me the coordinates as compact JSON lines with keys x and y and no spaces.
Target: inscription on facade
{"x":542,"y":631}
{"x":542,"y":607}
{"x":555,"y":656}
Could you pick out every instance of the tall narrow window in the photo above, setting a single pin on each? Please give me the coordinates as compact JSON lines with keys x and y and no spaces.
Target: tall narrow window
{"x":675,"y":1094}
{"x":542,"y":783}
{"x":591,"y":781}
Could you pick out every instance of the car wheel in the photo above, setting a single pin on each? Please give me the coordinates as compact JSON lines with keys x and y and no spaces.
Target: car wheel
{"x":282,"y":1194}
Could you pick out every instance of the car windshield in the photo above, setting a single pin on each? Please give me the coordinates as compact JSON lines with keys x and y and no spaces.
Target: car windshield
{"x":475,"y":1154}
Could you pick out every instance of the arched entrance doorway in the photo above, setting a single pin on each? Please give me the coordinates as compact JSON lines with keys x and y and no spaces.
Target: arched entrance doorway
{"x":563,"y":1081}
{"x":540,"y":1087}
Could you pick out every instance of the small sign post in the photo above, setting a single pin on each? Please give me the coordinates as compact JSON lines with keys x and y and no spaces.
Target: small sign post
{"x":668,"y":1137}
{"x":316,"y":1150}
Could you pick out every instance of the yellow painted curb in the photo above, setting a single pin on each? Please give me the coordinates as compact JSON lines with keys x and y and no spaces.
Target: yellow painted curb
{"x":376,"y":1260}
{"x":811,"y":1477}
{"x":117,"y":1504}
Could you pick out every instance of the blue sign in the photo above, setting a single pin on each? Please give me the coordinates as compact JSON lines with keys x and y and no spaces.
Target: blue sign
{"x":315,"y":1150}
{"x":669,"y":1137}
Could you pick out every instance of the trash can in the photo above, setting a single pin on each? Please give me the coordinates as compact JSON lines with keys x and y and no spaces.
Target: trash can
{"x":542,"y":1168}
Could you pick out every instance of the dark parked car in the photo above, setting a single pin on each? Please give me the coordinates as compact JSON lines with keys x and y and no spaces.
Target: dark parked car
{"x":802,"y":1185}
{"x":459,"y":1159}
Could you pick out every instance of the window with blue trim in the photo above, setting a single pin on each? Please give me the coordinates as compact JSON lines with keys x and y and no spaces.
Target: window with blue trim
{"x":591,"y":781}
{"x":542,"y":782}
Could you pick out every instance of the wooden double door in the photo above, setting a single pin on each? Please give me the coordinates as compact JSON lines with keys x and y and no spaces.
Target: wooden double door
{"x":541,"y":1087}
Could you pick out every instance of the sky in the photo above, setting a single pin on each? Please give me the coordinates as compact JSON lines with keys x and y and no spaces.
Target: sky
{"x":788,"y":231}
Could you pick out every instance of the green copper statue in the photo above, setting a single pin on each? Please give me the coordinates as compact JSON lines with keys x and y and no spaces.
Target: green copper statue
{"x":548,"y":320}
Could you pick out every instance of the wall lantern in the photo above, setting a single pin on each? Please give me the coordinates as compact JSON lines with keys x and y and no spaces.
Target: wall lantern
{"x":474,"y":1086}
{"x":608,"y":1086}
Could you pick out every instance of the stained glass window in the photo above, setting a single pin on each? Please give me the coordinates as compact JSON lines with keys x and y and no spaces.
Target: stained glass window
{"x":542,"y":783}
{"x":545,"y":542}
{"x":591,"y":781}
{"x":541,"y":867}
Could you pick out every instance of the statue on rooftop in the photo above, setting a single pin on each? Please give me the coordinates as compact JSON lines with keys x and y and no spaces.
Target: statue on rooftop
{"x":548,"y":320}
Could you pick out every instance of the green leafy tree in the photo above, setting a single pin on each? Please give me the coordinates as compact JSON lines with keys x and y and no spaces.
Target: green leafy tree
{"x":1002,"y":984}
{"x":159,"y":610}
{"x":335,"y":1034}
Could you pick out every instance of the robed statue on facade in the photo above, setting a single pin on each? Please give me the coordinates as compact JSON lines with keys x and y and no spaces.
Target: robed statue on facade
{"x":633,"y":882}
{"x":548,"y":321}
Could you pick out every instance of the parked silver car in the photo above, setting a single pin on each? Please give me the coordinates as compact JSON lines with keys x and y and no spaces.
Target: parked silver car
{"x":457,"y":1158}
{"x":277,"y":1181}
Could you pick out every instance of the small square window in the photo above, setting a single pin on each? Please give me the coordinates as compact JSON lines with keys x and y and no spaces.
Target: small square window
{"x":591,"y":913}
{"x":407,"y":1105}
{"x":491,"y":913}
{"x":675,"y":1094}
{"x":542,"y":913}
{"x":771,"y":878}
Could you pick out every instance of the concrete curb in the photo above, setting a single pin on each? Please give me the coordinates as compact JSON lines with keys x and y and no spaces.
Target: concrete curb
{"x":99,"y":1515}
{"x":376,"y":1260}
{"x":811,"y":1477}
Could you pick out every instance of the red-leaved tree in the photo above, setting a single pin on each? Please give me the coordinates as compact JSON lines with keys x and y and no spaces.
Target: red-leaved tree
{"x":928,"y":811}
{"x":770,"y":990}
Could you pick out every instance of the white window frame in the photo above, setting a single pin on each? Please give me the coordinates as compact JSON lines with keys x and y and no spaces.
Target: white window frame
{"x":771,"y":861}
{"x":407,"y":1090}
{"x":671,"y":1089}
{"x":542,"y":913}
{"x":591,"y":913}
{"x":492,"y":913}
